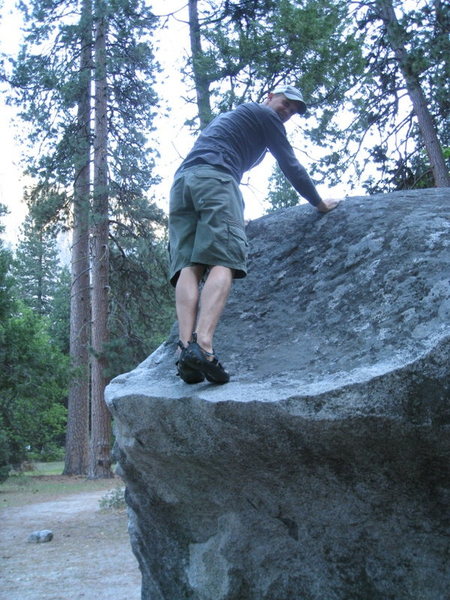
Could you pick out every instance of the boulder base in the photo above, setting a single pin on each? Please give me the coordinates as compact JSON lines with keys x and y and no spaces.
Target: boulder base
{"x":321,"y":471}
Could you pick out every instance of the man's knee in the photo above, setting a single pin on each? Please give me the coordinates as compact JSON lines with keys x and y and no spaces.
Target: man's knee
{"x":220,"y":272}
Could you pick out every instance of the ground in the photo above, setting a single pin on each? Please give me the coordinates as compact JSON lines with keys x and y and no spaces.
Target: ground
{"x":90,"y":556}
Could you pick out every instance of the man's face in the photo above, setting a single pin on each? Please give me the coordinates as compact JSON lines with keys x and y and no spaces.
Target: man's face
{"x":284,"y":107}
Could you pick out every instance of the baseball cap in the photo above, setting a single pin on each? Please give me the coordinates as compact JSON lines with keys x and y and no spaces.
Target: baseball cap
{"x":292,"y":93}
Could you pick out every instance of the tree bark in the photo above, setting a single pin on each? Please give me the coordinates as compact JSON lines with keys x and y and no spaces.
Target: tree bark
{"x":100,"y":454}
{"x":77,"y":435}
{"x":396,"y":35}
{"x":200,"y":77}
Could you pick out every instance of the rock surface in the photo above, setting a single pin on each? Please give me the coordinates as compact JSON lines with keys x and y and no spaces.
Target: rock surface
{"x":321,"y":471}
{"x":41,"y":537}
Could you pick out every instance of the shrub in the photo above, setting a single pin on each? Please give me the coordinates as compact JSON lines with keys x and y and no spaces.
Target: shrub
{"x":114,"y":499}
{"x":5,"y":466}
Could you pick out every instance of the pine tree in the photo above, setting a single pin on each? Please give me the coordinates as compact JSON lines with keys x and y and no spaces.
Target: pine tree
{"x":281,"y":194}
{"x":77,"y":434}
{"x":54,"y":90}
{"x":398,"y":38}
{"x":199,"y":69}
{"x":402,"y":84}
{"x":36,"y":267}
{"x":100,"y":459}
{"x":142,"y":301}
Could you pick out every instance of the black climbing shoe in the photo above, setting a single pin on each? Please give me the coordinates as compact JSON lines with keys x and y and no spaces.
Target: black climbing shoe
{"x":187,"y":373}
{"x":196,"y":358}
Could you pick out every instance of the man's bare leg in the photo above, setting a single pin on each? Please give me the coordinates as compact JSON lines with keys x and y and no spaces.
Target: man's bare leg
{"x":186,"y":299}
{"x":213,"y":298}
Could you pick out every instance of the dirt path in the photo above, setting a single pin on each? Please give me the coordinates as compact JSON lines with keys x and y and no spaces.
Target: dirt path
{"x":89,"y":558}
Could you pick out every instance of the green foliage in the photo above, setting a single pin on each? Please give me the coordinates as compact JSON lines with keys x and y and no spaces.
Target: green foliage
{"x":36,"y":266}
{"x":141,"y":299}
{"x":49,"y":208}
{"x":50,"y":82}
{"x":281,"y":193}
{"x":372,"y":125}
{"x":252,"y":47}
{"x":52,"y":451}
{"x":33,"y":379}
{"x":412,"y":172}
{"x":59,"y":316}
{"x":5,"y":454}
{"x":341,"y":55}
{"x":6,"y":283}
{"x":39,"y":278}
{"x":46,"y":81}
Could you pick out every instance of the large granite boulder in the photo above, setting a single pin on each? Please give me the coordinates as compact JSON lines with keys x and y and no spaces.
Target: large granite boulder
{"x":322,"y":470}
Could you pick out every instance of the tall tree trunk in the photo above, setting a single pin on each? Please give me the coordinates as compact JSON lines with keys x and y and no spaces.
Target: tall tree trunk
{"x":77,"y":436}
{"x":100,"y":455}
{"x":201,"y":79}
{"x":40,"y":281}
{"x":396,"y":35}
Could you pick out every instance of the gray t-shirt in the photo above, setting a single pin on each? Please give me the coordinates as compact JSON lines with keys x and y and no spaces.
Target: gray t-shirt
{"x":237,"y":141}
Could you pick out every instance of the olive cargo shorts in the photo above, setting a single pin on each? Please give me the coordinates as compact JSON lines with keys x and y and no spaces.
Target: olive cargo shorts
{"x":206,"y":221}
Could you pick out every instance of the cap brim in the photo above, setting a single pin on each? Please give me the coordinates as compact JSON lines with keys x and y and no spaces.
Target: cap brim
{"x":302,"y":108}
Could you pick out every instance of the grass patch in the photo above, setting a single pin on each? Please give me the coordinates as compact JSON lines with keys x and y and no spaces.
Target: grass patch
{"x":45,"y":468}
{"x":45,"y":482}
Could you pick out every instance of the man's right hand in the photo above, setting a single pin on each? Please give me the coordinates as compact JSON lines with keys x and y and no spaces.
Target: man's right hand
{"x":327,"y":205}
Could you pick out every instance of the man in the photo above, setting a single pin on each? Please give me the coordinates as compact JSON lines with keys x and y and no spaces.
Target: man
{"x":207,"y":238}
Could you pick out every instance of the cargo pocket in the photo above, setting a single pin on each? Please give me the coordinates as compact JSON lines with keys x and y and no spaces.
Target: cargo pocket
{"x":237,"y":245}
